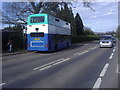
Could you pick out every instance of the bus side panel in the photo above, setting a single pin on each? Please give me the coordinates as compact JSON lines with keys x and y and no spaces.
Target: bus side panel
{"x":57,"y":37}
{"x":57,"y":42}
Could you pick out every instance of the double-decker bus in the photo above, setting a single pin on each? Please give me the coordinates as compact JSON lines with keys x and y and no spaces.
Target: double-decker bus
{"x":47,"y":33}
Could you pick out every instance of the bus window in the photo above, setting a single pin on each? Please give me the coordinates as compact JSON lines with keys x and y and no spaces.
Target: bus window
{"x":57,"y":20}
{"x":37,"y":19}
{"x":66,"y":23}
{"x":37,"y":34}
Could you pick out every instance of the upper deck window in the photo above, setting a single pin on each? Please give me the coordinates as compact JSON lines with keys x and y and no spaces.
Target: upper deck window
{"x":57,"y":20}
{"x":39,"y":19}
{"x":66,"y":23}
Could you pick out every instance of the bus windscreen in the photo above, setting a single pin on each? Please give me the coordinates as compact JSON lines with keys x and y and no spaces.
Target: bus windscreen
{"x":37,"y":34}
{"x":39,"y":19}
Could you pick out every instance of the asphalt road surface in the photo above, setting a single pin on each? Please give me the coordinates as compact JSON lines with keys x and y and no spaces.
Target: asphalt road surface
{"x":79,"y":66}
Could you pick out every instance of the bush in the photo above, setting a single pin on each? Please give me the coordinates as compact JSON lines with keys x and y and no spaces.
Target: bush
{"x":15,"y":34}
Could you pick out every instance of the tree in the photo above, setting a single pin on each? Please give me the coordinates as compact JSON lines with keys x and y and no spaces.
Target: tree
{"x":88,"y":31}
{"x":52,"y":8}
{"x":15,"y":34}
{"x":118,"y":31}
{"x":17,"y":12}
{"x":58,"y":9}
{"x":88,"y":4}
{"x":79,"y":25}
{"x":36,"y":7}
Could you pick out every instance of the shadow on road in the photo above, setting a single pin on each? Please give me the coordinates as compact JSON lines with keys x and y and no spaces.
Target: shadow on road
{"x":73,"y":46}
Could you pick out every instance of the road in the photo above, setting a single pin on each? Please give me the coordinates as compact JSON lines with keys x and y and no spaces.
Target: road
{"x":79,"y":66}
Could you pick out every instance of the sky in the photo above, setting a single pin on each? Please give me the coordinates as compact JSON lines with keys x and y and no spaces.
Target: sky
{"x":103,"y":19}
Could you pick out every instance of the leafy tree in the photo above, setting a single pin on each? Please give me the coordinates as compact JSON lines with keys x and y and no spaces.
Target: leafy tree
{"x":51,"y":8}
{"x":79,"y":25}
{"x":16,"y":36}
{"x":17,"y":12}
{"x":88,"y":31}
{"x":66,"y":13}
{"x":72,"y":21}
{"x":118,"y":31}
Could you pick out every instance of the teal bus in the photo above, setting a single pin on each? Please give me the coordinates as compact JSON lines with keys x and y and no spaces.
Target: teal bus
{"x":47,"y":33}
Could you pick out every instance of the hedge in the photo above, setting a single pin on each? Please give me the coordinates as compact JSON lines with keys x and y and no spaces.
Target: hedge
{"x":84,"y":38}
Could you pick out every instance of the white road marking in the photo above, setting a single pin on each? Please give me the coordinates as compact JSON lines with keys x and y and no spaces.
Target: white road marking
{"x":14,"y":59}
{"x":117,"y":69}
{"x":97,"y":83}
{"x":93,"y":48}
{"x":57,"y":63}
{"x":61,"y":61}
{"x":90,"y":48}
{"x":80,"y":53}
{"x":83,"y":52}
{"x":111,"y":56}
{"x":95,"y":41}
{"x":2,"y":84}
{"x":99,"y":80}
{"x":48,"y":64}
{"x":114,"y":50}
{"x":87,"y":44}
{"x":46,"y":67}
{"x":104,"y":70}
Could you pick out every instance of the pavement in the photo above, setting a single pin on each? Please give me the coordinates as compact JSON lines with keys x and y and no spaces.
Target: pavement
{"x":14,"y":53}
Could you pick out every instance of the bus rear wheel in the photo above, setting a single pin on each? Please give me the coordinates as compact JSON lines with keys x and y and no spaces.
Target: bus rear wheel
{"x":56,"y":46}
{"x":68,"y":44}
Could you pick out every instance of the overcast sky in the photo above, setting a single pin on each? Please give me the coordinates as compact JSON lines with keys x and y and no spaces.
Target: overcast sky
{"x":103,"y":19}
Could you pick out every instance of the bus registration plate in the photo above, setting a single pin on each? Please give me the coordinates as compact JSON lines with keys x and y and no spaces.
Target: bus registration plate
{"x":37,"y":38}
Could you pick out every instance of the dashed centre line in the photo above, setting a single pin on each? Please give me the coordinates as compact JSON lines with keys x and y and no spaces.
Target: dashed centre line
{"x":114,"y":50}
{"x":99,"y":80}
{"x":111,"y":56}
{"x":104,"y":70}
{"x":97,"y":83}
{"x":117,"y":69}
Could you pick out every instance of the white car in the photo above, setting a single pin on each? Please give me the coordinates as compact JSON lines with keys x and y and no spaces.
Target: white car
{"x":106,"y":41}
